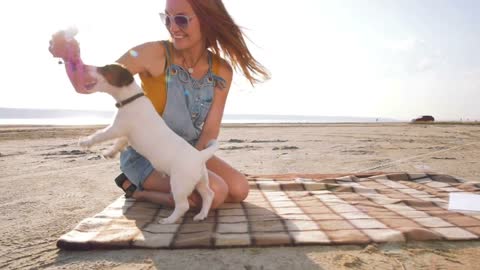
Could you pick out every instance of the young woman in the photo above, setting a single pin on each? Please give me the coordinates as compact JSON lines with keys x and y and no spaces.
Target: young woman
{"x":188,"y":81}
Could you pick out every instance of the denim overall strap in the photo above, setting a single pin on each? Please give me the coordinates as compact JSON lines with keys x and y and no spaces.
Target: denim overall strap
{"x":188,"y":99}
{"x":176,"y":114}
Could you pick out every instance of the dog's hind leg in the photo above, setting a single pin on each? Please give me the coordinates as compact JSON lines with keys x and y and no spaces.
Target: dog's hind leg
{"x":207,"y":195}
{"x":180,"y":196}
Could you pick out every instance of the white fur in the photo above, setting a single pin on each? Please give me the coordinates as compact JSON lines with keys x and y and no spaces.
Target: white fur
{"x":138,"y":124}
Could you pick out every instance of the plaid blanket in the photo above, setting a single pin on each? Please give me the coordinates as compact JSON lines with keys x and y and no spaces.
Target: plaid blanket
{"x":283,"y":210}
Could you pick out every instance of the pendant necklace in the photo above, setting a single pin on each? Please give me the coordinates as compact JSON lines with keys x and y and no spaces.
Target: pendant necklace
{"x":191,"y":68}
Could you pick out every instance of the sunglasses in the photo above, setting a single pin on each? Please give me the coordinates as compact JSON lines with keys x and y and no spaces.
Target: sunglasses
{"x":181,"y":21}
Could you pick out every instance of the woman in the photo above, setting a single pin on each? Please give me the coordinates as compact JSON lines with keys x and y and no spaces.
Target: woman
{"x":188,"y":83}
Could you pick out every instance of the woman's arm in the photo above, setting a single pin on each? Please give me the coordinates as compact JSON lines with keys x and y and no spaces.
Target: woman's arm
{"x":148,"y":57}
{"x":211,"y":128}
{"x":136,"y":60}
{"x":69,"y":51}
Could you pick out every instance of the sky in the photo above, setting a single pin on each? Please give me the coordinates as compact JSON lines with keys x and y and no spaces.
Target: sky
{"x":366,"y":58}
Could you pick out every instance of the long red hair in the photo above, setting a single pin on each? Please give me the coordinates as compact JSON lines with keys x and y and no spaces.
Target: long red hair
{"x":222,"y":35}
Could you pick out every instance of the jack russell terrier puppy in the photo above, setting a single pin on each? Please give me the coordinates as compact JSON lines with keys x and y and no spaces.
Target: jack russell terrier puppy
{"x":137,"y":123}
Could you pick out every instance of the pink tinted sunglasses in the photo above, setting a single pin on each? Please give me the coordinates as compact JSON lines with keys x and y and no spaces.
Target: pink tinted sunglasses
{"x":181,"y":21}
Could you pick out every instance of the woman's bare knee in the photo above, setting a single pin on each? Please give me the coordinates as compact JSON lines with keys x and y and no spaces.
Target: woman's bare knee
{"x":220,"y":190}
{"x":216,"y":183}
{"x":238,"y":189}
{"x":237,"y":183}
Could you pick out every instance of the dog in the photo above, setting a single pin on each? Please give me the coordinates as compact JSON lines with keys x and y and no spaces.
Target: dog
{"x":137,"y":123}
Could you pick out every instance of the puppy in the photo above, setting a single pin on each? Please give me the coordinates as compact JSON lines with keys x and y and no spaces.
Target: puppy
{"x":137,"y":123}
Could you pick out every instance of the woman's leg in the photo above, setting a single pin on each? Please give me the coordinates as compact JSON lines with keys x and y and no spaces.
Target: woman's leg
{"x":236,"y":181}
{"x":157,"y":190}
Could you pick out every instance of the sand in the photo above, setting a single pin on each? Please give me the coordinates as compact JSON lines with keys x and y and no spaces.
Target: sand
{"x":48,"y":184}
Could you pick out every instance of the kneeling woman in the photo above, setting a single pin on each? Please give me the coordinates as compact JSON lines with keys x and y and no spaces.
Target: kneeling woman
{"x":188,"y":83}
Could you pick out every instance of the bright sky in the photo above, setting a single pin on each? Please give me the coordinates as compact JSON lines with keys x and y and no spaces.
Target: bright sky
{"x":367,"y":58}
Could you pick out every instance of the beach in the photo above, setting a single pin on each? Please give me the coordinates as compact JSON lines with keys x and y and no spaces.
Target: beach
{"x":48,"y":184}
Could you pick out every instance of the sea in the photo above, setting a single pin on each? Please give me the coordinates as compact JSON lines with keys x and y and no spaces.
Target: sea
{"x":20,"y":116}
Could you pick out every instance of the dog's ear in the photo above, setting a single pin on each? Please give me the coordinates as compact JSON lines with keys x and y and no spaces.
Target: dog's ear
{"x":116,"y":75}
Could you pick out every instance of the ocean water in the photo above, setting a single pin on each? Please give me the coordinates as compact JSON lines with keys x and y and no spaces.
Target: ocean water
{"x":12,"y":116}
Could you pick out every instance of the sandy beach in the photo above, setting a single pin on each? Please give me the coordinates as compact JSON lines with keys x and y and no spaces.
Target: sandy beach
{"x":48,"y":184}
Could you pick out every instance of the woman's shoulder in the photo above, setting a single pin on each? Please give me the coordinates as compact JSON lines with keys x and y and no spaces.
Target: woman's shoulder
{"x":146,"y":57}
{"x":222,"y":67}
{"x":150,"y":47}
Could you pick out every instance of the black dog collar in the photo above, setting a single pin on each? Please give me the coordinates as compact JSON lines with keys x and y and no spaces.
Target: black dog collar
{"x":128,"y":100}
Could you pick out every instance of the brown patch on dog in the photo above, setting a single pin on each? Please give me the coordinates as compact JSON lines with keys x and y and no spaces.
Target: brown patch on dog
{"x":116,"y":75}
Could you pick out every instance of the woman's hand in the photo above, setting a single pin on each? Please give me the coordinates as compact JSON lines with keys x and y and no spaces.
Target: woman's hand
{"x":65,"y":47}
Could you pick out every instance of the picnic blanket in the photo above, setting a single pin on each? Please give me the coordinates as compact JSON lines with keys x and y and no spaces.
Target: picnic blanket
{"x":294,"y":209}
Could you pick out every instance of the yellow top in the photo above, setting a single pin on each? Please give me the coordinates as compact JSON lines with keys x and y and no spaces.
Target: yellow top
{"x":155,"y":88}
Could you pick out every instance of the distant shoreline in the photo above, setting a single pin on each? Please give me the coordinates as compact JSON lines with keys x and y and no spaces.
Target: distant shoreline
{"x":60,"y":117}
{"x":55,"y":118}
{"x":257,"y":125}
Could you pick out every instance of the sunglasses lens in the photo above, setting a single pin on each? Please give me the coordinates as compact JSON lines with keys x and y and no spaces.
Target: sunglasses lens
{"x":181,"y":21}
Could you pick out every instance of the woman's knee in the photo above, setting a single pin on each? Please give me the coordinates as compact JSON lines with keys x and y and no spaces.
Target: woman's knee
{"x":238,"y":188}
{"x":220,"y":190}
{"x":237,"y":183}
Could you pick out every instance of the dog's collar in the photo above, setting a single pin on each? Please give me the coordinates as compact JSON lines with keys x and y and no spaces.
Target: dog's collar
{"x":128,"y":100}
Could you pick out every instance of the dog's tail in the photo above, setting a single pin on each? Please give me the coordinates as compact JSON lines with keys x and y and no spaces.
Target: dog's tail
{"x":212,"y":147}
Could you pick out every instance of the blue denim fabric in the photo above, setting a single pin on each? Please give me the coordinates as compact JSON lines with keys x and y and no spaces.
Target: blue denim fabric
{"x":135,"y":167}
{"x":188,"y":103}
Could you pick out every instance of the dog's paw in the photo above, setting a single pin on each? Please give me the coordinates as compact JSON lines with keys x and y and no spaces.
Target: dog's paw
{"x":200,"y":216}
{"x":167,"y":221}
{"x":85,"y":142}
{"x":109,"y":154}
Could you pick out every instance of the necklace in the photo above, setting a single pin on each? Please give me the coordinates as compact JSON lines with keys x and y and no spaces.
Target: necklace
{"x":191,"y":68}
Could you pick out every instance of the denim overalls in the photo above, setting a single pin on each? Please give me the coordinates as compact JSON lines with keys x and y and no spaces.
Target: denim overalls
{"x":188,"y":103}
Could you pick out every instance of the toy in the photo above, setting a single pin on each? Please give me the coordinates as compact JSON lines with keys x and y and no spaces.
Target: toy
{"x":64,"y":43}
